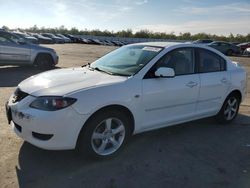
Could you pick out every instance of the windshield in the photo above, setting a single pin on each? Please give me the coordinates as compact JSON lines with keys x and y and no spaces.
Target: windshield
{"x":127,"y":60}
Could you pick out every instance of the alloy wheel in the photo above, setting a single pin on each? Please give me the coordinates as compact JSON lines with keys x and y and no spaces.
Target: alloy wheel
{"x":231,"y":108}
{"x":108,"y":136}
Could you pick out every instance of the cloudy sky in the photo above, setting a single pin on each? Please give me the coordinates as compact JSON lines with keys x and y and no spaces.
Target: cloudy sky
{"x":210,"y":16}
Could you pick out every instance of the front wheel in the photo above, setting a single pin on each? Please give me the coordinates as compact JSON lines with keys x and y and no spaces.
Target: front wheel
{"x":105,"y":134}
{"x":229,"y":109}
{"x":44,"y":61}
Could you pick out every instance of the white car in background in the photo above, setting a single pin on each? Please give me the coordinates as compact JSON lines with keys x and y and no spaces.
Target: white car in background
{"x":136,"y":88}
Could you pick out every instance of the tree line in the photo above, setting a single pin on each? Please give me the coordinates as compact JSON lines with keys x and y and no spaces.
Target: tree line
{"x":139,"y":34}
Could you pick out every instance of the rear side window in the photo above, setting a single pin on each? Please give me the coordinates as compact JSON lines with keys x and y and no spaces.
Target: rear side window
{"x":210,"y":62}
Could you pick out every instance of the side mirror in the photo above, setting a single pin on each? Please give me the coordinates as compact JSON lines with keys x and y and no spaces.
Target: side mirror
{"x":164,"y":72}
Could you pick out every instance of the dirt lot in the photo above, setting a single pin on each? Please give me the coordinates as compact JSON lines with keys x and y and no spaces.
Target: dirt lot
{"x":196,"y":154}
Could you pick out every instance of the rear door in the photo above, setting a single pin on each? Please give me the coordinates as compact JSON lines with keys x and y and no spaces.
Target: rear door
{"x":214,"y":81}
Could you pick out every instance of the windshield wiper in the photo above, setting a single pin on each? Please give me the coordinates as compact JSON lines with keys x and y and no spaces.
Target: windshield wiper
{"x":107,"y":72}
{"x":101,"y":70}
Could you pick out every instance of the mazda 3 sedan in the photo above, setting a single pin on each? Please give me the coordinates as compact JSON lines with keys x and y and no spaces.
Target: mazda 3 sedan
{"x":136,"y":88}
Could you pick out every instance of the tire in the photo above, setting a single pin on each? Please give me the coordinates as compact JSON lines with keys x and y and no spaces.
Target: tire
{"x":229,"y":52}
{"x":44,"y":61}
{"x":229,"y":109}
{"x":104,"y":135}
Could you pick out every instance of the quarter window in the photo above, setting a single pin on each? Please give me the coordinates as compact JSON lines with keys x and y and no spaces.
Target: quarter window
{"x":210,"y":62}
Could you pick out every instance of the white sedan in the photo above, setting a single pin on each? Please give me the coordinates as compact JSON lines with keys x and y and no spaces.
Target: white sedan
{"x":136,"y":88}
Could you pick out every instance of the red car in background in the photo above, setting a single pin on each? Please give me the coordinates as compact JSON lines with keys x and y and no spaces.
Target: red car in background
{"x":244,"y":45}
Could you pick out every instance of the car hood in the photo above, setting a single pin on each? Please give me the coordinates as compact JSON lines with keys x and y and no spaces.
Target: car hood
{"x":64,"y":81}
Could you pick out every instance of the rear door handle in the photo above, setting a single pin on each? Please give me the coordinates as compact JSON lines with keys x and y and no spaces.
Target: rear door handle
{"x":191,"y":84}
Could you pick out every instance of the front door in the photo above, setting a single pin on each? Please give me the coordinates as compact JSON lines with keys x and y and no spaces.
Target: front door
{"x":171,"y":100}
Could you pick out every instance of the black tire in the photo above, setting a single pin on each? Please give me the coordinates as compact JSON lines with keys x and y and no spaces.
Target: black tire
{"x":87,"y":145}
{"x":44,"y":62}
{"x":223,"y":115}
{"x":229,"y":52}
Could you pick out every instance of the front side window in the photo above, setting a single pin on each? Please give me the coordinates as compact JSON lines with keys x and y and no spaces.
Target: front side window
{"x":181,"y":60}
{"x":10,"y":37}
{"x":126,"y":60}
{"x":210,"y":62}
{"x":4,"y":39}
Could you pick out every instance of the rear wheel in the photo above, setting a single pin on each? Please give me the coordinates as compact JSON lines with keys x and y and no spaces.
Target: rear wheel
{"x":44,"y":61}
{"x":229,"y":109}
{"x":105,"y":134}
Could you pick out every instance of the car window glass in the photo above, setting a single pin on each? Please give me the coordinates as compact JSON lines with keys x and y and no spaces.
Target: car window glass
{"x":210,"y":62}
{"x":4,"y":39}
{"x":181,"y":60}
{"x":127,"y":60}
{"x":224,"y":44}
{"x":11,"y":37}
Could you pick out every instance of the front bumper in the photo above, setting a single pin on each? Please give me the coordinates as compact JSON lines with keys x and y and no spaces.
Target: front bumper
{"x":57,"y":130}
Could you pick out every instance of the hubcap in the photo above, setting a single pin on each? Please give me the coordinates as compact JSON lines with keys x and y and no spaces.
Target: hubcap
{"x":108,"y":136}
{"x":231,"y":108}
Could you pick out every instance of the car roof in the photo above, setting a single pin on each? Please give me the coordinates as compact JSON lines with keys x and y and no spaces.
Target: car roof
{"x":159,"y":44}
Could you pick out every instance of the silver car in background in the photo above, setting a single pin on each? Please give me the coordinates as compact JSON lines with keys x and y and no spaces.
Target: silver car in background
{"x":15,"y":51}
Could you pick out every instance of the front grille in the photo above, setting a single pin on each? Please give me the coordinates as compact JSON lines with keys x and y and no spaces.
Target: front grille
{"x":19,"y":95}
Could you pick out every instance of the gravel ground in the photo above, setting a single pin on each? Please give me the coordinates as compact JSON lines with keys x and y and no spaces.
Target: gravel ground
{"x":195,"y":154}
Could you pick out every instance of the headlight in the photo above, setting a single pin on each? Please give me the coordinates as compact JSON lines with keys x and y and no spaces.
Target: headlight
{"x":52,"y":103}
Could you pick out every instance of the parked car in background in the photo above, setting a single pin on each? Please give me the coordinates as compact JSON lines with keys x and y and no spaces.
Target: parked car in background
{"x":235,"y":43}
{"x":225,"y":47}
{"x":117,"y":43}
{"x":202,"y":41}
{"x":108,"y":42}
{"x":66,"y":39}
{"x":28,"y":38}
{"x":136,"y":88}
{"x":55,"y":39}
{"x":73,"y":38}
{"x":247,"y":52}
{"x":16,"y":51}
{"x":94,"y":41}
{"x":43,"y":40}
{"x":244,"y":46}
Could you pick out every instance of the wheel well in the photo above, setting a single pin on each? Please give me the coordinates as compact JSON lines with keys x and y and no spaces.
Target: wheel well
{"x":110,"y":107}
{"x":116,"y":108}
{"x":237,"y":93}
{"x":41,"y":55}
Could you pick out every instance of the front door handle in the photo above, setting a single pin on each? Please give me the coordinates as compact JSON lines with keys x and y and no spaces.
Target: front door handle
{"x":191,"y":84}
{"x":224,"y":80}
